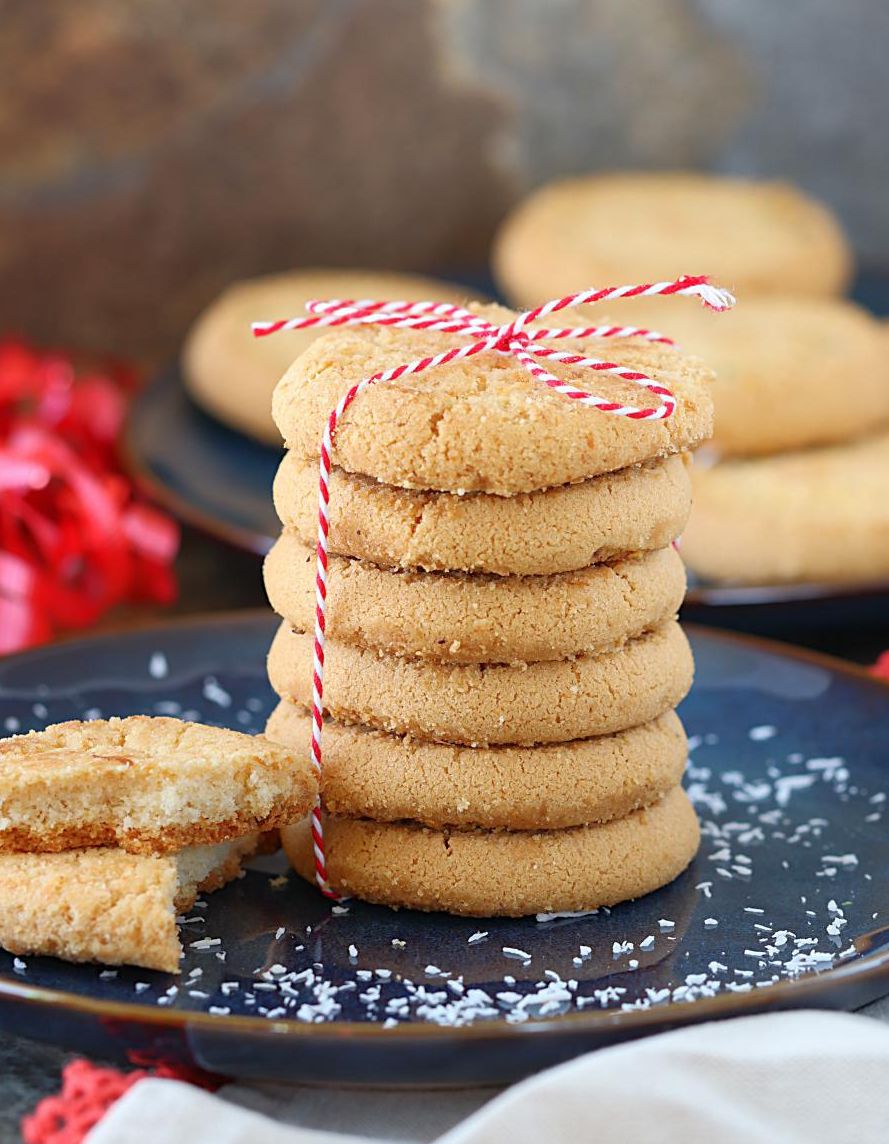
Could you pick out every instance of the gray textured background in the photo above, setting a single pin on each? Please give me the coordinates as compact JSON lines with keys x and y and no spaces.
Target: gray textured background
{"x":154,"y":150}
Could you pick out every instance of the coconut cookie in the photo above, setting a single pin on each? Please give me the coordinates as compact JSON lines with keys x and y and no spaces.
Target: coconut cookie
{"x":149,"y":785}
{"x":369,"y":774}
{"x":491,"y":703}
{"x":107,"y":905}
{"x":821,"y":515}
{"x":504,"y":873}
{"x":483,"y":424}
{"x":231,"y":374}
{"x":556,"y":530}
{"x":457,"y":618}
{"x":790,"y":371}
{"x":603,"y":230}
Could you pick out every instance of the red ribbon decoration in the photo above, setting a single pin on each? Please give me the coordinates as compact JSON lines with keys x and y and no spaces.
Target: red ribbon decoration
{"x":75,"y":539}
{"x":88,"y":1092}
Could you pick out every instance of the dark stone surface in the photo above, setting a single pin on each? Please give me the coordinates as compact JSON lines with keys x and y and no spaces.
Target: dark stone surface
{"x":154,"y":151}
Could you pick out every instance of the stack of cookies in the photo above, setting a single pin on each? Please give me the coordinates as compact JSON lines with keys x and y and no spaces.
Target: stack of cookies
{"x":792,"y":489}
{"x":110,"y":828}
{"x":503,"y":657}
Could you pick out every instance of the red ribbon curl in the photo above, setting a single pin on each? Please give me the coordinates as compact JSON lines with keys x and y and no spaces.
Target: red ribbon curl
{"x":75,"y":539}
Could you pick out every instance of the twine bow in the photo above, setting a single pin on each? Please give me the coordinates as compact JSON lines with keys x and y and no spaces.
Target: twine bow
{"x":528,"y":347}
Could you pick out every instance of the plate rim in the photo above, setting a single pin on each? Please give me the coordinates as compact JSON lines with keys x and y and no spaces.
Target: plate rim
{"x":728,"y":595}
{"x":133,"y":460}
{"x":869,"y":969}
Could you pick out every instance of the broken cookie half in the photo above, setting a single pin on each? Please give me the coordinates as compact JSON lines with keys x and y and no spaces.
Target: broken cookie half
{"x":107,"y":905}
{"x":149,"y":784}
{"x":109,"y":829}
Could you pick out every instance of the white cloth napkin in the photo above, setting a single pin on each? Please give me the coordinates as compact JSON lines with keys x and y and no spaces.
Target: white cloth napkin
{"x":801,"y":1077}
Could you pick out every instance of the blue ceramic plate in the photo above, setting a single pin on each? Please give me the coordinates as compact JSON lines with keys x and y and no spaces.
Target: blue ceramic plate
{"x":786,"y":905}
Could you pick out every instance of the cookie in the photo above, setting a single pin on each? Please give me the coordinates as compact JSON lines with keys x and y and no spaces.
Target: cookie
{"x":504,"y":873}
{"x":790,"y":372}
{"x":629,"y":227}
{"x":490,"y":704}
{"x":107,"y":905}
{"x":558,"y":530}
{"x":151,"y":785}
{"x":820,"y":515}
{"x":232,"y":374}
{"x":458,"y":618}
{"x":483,"y":424}
{"x":369,"y":774}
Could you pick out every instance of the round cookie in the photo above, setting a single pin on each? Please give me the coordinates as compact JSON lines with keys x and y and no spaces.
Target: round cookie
{"x":821,"y":515}
{"x":629,"y":227}
{"x":504,"y":873}
{"x":483,"y":424}
{"x":478,"y":704}
{"x":556,"y":530}
{"x":790,"y":371}
{"x":232,"y":374}
{"x":387,"y":778}
{"x":456,"y":618}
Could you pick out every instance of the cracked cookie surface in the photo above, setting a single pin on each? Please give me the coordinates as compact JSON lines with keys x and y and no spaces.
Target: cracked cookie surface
{"x":504,"y":873}
{"x":477,"y":704}
{"x":636,"y":509}
{"x":483,"y":424}
{"x":478,"y":619}
{"x":149,"y":784}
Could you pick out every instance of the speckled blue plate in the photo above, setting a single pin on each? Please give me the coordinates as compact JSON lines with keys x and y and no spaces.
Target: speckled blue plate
{"x":786,"y":905}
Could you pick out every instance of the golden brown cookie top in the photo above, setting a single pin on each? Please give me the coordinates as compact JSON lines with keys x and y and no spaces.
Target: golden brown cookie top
{"x":607,"y":230}
{"x":484,"y":424}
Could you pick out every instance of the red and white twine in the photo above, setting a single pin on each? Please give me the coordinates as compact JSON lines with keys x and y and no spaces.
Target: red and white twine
{"x":513,"y":338}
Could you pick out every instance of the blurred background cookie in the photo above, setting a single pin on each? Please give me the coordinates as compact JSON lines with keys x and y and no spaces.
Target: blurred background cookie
{"x":231,"y":374}
{"x":603,"y":230}
{"x":791,"y":371}
{"x":787,"y":491}
{"x":819,"y":515}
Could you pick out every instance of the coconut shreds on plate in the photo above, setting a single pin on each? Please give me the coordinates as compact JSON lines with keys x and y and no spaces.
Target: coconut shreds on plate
{"x":747,"y":822}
